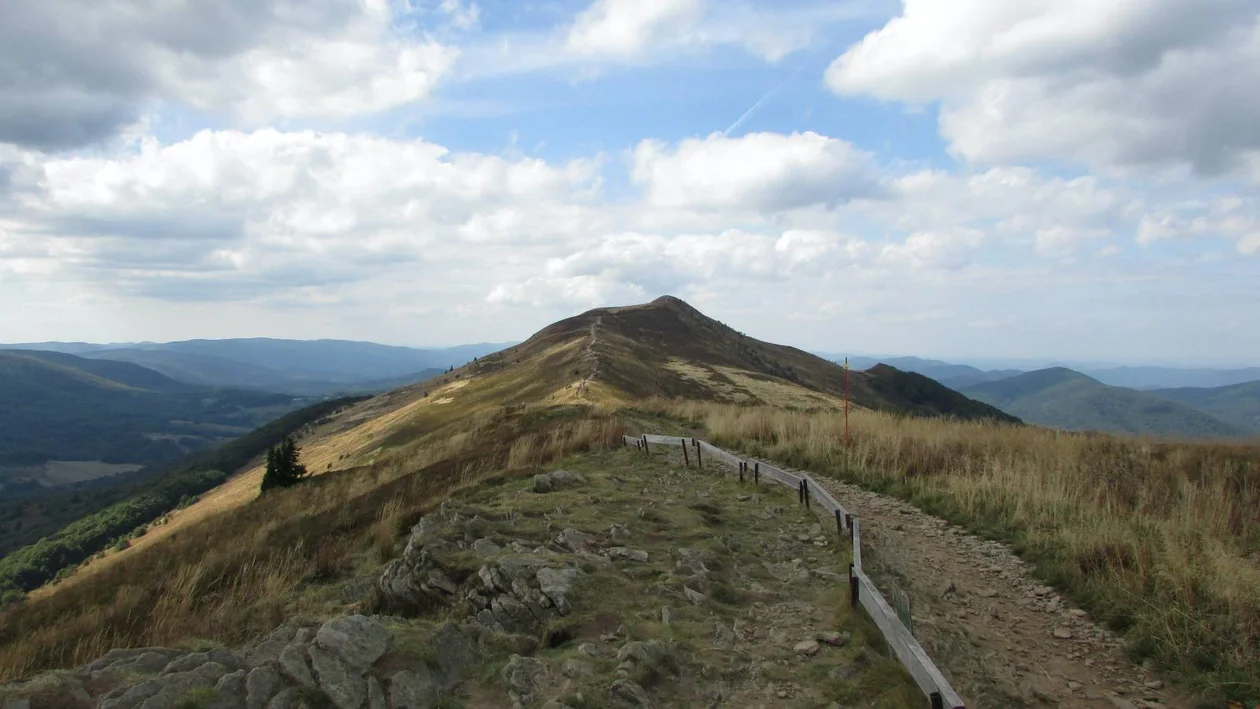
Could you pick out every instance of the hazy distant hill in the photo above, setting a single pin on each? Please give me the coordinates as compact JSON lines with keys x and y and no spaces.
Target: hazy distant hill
{"x":1066,"y":399}
{"x":1238,"y":404}
{"x":300,"y":367}
{"x":951,"y":375}
{"x":1170,"y":377}
{"x":56,"y":406}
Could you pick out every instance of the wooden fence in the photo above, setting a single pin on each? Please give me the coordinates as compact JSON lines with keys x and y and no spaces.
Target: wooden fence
{"x":862,"y":591}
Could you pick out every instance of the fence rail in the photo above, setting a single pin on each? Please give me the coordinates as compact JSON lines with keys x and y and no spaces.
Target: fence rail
{"x":862,"y":591}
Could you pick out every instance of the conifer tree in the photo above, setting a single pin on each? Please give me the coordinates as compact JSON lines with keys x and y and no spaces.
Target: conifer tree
{"x":283,"y":466}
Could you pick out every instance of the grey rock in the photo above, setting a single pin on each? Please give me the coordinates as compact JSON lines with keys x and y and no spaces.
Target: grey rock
{"x":589,"y":650}
{"x":456,"y":654}
{"x":131,"y":696}
{"x":293,"y":664}
{"x":542,"y":483}
{"x":627,"y":554}
{"x":573,"y":540}
{"x":261,"y":684}
{"x":411,"y":689}
{"x":557,"y":585}
{"x":357,"y":640}
{"x":693,"y":595}
{"x":692,"y":560}
{"x":668,"y":615}
{"x":288,"y":698}
{"x":147,"y":663}
{"x":833,"y":638}
{"x":486,"y":547}
{"x":618,"y":532}
{"x":566,"y":478}
{"x":342,"y":683}
{"x":194,"y":660}
{"x":376,"y":695}
{"x":174,"y":685}
{"x":439,"y":580}
{"x":630,"y":694}
{"x":524,"y":676}
{"x":126,"y":655}
{"x":16,"y":704}
{"x":577,"y":668}
{"x":806,"y":648}
{"x":844,"y":673}
{"x":494,"y":579}
{"x":230,"y":691}
{"x":268,"y":649}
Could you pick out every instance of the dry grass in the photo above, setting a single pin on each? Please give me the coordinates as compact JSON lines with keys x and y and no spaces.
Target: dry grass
{"x":234,"y":575}
{"x":1160,"y":539}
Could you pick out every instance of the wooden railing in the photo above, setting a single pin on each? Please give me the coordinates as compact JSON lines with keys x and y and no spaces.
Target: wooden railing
{"x":862,"y":591}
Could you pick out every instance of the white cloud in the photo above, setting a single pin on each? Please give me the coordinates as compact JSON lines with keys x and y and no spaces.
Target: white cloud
{"x":765,"y":172}
{"x":1118,"y":82}
{"x":627,"y":27}
{"x":102,"y":65}
{"x":949,"y":250}
{"x":269,"y":210}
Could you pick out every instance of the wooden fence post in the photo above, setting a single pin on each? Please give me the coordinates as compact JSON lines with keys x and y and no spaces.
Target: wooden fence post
{"x":839,"y":525}
{"x":756,"y":473}
{"x":742,"y":465}
{"x":848,"y":524}
{"x":645,"y":446}
{"x":800,"y":496}
{"x":853,"y":588}
{"x":805,"y":491}
{"x":937,"y":702}
{"x":686,"y":460}
{"x":699,"y":462}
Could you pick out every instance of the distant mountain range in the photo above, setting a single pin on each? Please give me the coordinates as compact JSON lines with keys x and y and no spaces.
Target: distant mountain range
{"x":1164,"y":401}
{"x":60,"y":407}
{"x":1066,"y":399}
{"x":296,"y":367}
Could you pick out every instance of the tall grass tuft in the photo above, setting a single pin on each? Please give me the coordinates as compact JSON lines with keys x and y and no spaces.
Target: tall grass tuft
{"x":1159,"y":539}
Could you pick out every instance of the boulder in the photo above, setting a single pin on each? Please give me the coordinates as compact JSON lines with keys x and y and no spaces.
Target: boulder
{"x":230,"y":691}
{"x":376,"y":695}
{"x":630,"y":694}
{"x":412,"y":688}
{"x":293,"y":664}
{"x":456,"y":654}
{"x":261,"y":684}
{"x":342,"y":683}
{"x":358,"y":641}
{"x":524,"y":676}
{"x":268,"y":649}
{"x":542,"y":483}
{"x":557,"y":585}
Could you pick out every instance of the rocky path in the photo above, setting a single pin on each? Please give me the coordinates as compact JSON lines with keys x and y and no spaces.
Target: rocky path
{"x":1003,"y":638}
{"x":589,"y":356}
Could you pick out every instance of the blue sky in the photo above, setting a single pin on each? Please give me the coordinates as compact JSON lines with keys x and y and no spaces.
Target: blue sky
{"x":974,"y":178}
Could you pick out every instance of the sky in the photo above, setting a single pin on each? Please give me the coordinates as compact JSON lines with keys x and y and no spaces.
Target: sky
{"x":943,"y":178}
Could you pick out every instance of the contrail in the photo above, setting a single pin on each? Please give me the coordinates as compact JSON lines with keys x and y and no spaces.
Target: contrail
{"x":740,"y":121}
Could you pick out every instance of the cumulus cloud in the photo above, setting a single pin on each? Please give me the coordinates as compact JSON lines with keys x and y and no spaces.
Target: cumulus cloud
{"x":1120,"y":83}
{"x":627,"y":27}
{"x":74,"y":73}
{"x":277,"y":208}
{"x":765,"y":172}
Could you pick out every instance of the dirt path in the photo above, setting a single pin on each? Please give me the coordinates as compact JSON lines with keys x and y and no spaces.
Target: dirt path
{"x":588,"y":354}
{"x":1003,"y":638}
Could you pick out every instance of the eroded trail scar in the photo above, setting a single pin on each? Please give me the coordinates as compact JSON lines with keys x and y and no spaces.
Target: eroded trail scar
{"x":589,"y":357}
{"x":1003,"y":638}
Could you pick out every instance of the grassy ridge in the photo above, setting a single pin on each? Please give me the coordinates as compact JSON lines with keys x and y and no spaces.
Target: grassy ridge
{"x":1160,"y":540}
{"x":38,"y":563}
{"x":238,"y":574}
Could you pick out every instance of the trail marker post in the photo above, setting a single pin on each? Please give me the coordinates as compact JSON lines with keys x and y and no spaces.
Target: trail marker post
{"x":686,"y":459}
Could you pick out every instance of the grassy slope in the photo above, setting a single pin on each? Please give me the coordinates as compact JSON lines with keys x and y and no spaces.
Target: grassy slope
{"x":1159,"y":539}
{"x":1062,"y":398}
{"x":61,"y":407}
{"x":1238,"y":404}
{"x":238,"y":561}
